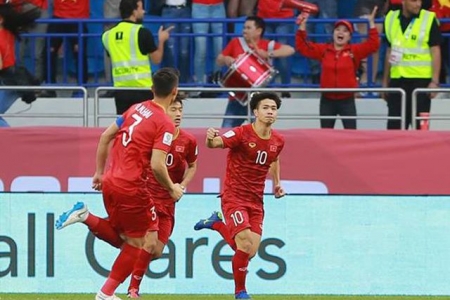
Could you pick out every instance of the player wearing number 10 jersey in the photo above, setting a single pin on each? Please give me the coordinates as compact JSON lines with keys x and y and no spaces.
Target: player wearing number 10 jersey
{"x":141,"y":138}
{"x":254,"y":151}
{"x":181,"y":163}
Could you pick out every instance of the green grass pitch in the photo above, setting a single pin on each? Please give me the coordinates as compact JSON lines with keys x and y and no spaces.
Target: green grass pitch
{"x":215,"y":297}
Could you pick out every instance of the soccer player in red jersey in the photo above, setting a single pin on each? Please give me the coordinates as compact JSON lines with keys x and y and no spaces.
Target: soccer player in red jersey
{"x":141,"y":137}
{"x":181,"y":163}
{"x":254,"y":152}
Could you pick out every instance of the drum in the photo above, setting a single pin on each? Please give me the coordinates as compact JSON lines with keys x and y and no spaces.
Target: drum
{"x":248,"y":71}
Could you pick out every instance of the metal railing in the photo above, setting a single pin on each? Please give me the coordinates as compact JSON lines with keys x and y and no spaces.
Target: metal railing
{"x":402,"y":117}
{"x":96,"y":53}
{"x":83,"y":115}
{"x":414,"y":117}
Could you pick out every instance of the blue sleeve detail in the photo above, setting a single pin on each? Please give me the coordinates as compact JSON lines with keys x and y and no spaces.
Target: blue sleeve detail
{"x":119,"y":121}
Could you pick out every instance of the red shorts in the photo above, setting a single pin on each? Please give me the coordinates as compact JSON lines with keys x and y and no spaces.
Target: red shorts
{"x":166,"y":216}
{"x":240,"y":216}
{"x":130,"y":215}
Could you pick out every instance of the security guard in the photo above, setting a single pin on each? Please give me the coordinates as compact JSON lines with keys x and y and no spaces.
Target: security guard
{"x":413,"y":58}
{"x":129,"y":46}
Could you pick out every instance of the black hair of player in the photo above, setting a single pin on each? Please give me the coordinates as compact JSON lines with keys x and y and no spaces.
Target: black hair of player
{"x":164,"y":81}
{"x":179,"y":98}
{"x":256,"y":98}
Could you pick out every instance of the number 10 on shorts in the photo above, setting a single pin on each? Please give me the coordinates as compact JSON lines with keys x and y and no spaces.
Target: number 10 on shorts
{"x":237,"y":217}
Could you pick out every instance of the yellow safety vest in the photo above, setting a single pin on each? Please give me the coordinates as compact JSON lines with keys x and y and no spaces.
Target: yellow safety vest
{"x":410,"y":47}
{"x":130,"y":68}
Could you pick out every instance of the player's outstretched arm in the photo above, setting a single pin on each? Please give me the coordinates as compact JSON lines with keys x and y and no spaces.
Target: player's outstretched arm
{"x":213,"y":140}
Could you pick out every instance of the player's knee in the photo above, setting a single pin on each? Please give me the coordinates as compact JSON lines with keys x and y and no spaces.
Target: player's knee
{"x":150,"y":247}
{"x":245,"y":245}
{"x":135,"y":243}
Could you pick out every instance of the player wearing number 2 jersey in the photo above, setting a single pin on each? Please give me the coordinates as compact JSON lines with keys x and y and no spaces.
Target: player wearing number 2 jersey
{"x":254,"y":151}
{"x":181,"y":163}
{"x":141,"y":138}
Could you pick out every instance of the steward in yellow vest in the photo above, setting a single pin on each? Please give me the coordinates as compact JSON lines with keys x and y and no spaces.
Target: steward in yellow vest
{"x":413,"y":58}
{"x":131,"y":47}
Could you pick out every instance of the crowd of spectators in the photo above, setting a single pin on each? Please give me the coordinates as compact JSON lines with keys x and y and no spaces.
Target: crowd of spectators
{"x":187,"y":49}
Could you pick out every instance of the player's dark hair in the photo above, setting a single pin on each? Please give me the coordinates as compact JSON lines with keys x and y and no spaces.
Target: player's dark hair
{"x":126,"y":7}
{"x":258,"y":97}
{"x":164,"y":81}
{"x":259,"y":23}
{"x":179,"y":98}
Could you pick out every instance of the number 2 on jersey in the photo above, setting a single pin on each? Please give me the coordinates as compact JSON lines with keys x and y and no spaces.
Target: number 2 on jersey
{"x":126,"y":140}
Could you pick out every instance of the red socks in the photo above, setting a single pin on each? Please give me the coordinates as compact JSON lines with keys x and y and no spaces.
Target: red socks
{"x":139,"y":270}
{"x":240,"y":262}
{"x":225,"y":233}
{"x":102,"y":229}
{"x":121,"y":269}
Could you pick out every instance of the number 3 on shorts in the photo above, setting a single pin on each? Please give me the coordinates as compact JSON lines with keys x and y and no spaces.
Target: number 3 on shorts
{"x":153,"y":210}
{"x":237,"y":217}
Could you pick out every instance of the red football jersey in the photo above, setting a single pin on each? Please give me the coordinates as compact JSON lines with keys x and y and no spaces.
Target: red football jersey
{"x":7,"y":48}
{"x":71,"y":9}
{"x":248,"y":162}
{"x":234,"y":47}
{"x":271,"y":9}
{"x":182,"y":152}
{"x":145,"y":127}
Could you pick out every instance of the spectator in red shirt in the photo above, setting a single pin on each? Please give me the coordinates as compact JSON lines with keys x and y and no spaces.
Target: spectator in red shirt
{"x":328,"y":9}
{"x":63,"y":9}
{"x":340,"y":61}
{"x":12,"y":20}
{"x":252,"y":40}
{"x":442,"y":10}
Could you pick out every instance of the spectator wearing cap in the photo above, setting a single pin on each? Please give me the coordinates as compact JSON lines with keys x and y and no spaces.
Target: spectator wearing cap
{"x":339,"y":61}
{"x":328,"y":9}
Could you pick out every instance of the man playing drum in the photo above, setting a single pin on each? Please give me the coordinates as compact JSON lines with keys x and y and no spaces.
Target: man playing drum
{"x":260,"y":49}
